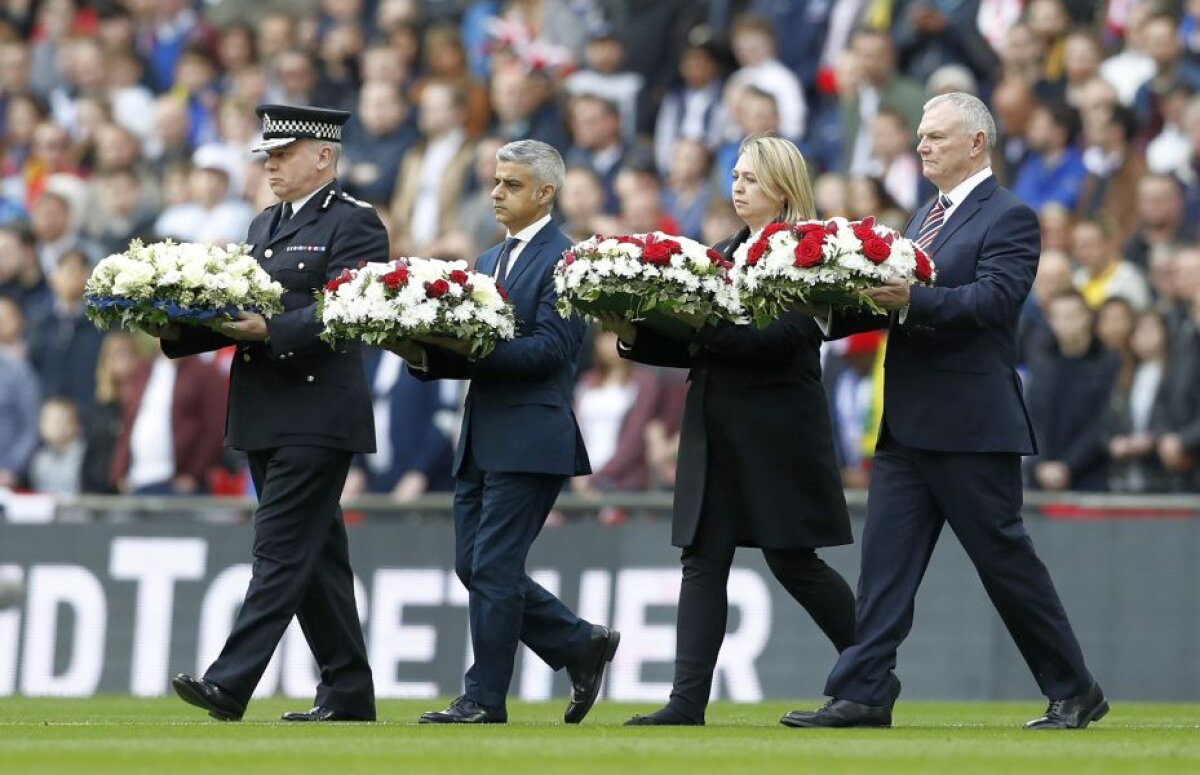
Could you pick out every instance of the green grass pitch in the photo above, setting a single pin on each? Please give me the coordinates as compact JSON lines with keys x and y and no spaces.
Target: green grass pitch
{"x":163,"y":736}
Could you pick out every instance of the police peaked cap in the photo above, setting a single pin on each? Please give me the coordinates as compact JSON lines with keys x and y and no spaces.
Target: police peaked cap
{"x":285,"y":124}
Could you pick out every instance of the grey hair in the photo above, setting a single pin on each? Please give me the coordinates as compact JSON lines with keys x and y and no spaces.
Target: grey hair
{"x":546,"y":163}
{"x":974,"y":114}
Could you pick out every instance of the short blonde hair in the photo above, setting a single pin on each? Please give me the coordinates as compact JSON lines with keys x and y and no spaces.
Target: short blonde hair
{"x":782,"y":174}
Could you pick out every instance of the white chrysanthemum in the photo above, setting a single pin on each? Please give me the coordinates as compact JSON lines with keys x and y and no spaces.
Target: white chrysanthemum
{"x":134,"y":279}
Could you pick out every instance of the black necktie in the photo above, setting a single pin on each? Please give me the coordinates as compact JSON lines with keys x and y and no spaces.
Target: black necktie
{"x":933,"y":223}
{"x":285,"y":212}
{"x":510,"y":245}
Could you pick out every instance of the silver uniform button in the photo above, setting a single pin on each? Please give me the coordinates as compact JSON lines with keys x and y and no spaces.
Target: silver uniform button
{"x":268,"y":253}
{"x":311,"y":378}
{"x":300,"y":265}
{"x":245,"y":356}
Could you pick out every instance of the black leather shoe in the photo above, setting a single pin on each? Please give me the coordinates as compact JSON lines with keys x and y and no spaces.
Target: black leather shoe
{"x":588,"y":672}
{"x":1074,"y":712}
{"x":219,"y":703}
{"x":465,"y":711}
{"x":664,"y":717}
{"x":320,"y":713}
{"x":840,"y":713}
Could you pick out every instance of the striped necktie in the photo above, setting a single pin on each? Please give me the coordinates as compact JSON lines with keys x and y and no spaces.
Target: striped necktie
{"x":933,"y":223}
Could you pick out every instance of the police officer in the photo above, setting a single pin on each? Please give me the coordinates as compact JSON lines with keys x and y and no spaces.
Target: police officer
{"x":300,"y":410}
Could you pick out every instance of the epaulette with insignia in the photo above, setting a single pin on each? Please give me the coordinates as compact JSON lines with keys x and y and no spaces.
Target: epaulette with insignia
{"x":354,"y":201}
{"x":328,"y":199}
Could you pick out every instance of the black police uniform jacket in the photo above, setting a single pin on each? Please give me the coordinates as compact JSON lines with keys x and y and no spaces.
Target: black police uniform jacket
{"x":295,"y":389}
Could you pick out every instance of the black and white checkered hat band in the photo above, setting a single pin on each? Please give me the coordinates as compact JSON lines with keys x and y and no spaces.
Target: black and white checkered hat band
{"x":292,"y":127}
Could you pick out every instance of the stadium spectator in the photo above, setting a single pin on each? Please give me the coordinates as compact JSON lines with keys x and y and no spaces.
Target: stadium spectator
{"x":58,"y":461}
{"x":12,"y":329}
{"x":523,"y":107}
{"x":434,"y":172}
{"x":596,"y":142}
{"x":1115,"y":321}
{"x":692,"y":109}
{"x":21,"y":276}
{"x":1071,"y":381}
{"x":582,"y":204}
{"x":850,"y":383}
{"x":213,"y":212}
{"x":1171,"y":69}
{"x":756,"y":52}
{"x":879,"y":86}
{"x":1022,"y":54}
{"x":338,"y":54}
{"x":170,"y":27}
{"x":63,"y":344}
{"x":115,"y":366}
{"x":1131,"y":67}
{"x":1053,"y":170}
{"x":412,"y":455}
{"x":172,"y":426}
{"x":1113,"y":171}
{"x":170,"y":138}
{"x":19,"y":402}
{"x":866,"y":196}
{"x":1168,"y":150}
{"x":1013,"y":103}
{"x":753,"y":112}
{"x":930,"y":35}
{"x":615,"y":400}
{"x":1160,"y":223}
{"x":1102,"y":273}
{"x":1136,"y":412}
{"x":895,"y":160}
{"x":1178,"y":442}
{"x":686,"y":195}
{"x":445,"y":60}
{"x":603,"y":77}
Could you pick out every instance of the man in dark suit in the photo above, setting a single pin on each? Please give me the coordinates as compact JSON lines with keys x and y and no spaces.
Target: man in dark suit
{"x":519,"y":443}
{"x":300,"y":410}
{"x":954,"y":428}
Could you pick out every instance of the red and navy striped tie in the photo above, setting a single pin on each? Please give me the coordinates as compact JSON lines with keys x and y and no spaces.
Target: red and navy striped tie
{"x":933,"y":223}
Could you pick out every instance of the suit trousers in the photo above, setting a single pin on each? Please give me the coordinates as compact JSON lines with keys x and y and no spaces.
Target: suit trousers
{"x":912,"y":494}
{"x":497,"y":516}
{"x":302,"y":569}
{"x":704,"y":602}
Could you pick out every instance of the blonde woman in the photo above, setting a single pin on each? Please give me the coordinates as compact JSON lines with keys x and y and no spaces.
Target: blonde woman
{"x":756,"y":457}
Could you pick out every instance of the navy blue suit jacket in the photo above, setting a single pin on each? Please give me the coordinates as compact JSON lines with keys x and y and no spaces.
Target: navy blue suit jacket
{"x":950,"y":378}
{"x":518,"y":416}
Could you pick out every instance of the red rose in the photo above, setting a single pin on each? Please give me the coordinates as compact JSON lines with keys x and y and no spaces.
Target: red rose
{"x":809,"y":253}
{"x":863,"y":231}
{"x":458,"y":277}
{"x":802,"y":230}
{"x":715,"y":257}
{"x":774,"y":228}
{"x":396,"y":278}
{"x":876,"y":250}
{"x":924,"y":266}
{"x":568,"y":257}
{"x":437,"y":289}
{"x":657,"y":253}
{"x":755,"y":253}
{"x":339,"y":281}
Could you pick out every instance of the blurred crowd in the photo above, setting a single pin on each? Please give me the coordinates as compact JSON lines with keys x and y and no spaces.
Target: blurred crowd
{"x":124,"y":119}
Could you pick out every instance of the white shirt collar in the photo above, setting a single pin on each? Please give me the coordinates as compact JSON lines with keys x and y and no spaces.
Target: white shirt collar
{"x":299,"y":203}
{"x":528,"y":233}
{"x":959,"y":193}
